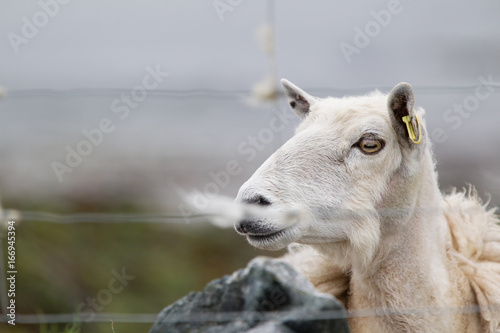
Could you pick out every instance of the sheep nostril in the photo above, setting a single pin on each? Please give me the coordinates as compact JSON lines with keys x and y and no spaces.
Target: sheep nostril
{"x":240,"y":229}
{"x":243,"y":227}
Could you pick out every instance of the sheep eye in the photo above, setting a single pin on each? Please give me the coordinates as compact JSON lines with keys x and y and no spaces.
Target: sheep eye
{"x":370,"y":145}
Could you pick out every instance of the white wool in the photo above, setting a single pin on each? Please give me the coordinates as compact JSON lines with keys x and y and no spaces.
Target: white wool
{"x":265,"y":38}
{"x":475,"y":243}
{"x":265,"y":89}
{"x":222,"y":211}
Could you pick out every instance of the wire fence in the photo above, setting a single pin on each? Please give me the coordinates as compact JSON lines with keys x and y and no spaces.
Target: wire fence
{"x":145,"y":318}
{"x":38,"y":216}
{"x":21,"y":217}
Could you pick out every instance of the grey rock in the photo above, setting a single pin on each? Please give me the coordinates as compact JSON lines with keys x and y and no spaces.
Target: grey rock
{"x":266,"y":296}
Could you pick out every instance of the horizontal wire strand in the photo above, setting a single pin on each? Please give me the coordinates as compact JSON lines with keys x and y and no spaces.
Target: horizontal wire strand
{"x":221,"y":93}
{"x":33,"y":216}
{"x":243,"y":315}
{"x":86,"y":217}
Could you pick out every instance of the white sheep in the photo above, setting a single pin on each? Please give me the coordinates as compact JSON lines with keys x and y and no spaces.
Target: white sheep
{"x":376,"y":232}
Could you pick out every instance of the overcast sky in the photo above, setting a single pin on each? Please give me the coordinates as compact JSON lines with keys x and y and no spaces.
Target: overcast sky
{"x":203,"y":44}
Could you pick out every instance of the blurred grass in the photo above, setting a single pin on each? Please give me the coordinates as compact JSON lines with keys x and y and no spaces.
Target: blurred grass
{"x":61,"y":265}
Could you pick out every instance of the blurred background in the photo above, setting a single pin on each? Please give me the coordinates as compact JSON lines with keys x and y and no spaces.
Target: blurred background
{"x":110,"y":109}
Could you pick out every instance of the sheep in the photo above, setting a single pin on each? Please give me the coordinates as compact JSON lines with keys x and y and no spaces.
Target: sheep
{"x":376,"y":232}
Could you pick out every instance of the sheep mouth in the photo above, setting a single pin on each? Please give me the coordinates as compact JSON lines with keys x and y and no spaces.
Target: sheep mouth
{"x":262,"y":235}
{"x":266,"y":237}
{"x":273,"y":241}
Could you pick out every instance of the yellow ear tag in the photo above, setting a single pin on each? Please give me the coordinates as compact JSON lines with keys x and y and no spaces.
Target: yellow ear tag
{"x":411,"y":132}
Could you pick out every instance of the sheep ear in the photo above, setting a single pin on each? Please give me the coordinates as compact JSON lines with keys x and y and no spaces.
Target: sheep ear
{"x":403,"y":117}
{"x":299,"y":100}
